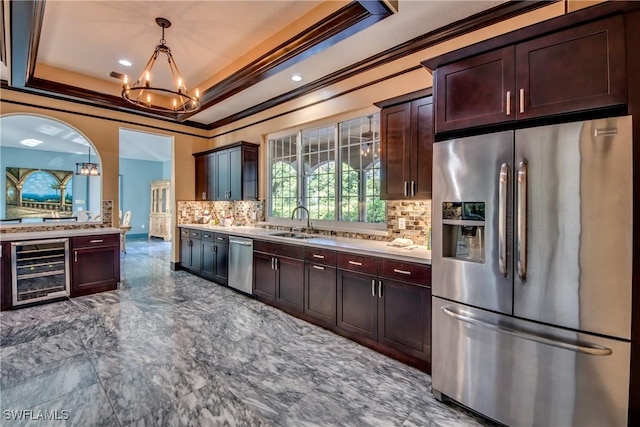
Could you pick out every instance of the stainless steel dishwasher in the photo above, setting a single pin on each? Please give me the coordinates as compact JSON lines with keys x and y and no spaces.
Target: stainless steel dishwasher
{"x":241,"y":264}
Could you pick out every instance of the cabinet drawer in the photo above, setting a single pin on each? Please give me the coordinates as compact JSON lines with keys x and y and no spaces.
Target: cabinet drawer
{"x":320,"y":256}
{"x":279,"y":249}
{"x":405,"y":271}
{"x":222,"y":238}
{"x":194,"y":234}
{"x":207,"y":235}
{"x":95,"y":241}
{"x":363,"y":264}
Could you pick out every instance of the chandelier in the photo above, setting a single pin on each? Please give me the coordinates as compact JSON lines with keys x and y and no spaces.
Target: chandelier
{"x":87,"y":168}
{"x":173,"y":100}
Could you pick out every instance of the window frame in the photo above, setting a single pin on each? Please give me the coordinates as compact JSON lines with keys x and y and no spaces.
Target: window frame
{"x":375,"y":228}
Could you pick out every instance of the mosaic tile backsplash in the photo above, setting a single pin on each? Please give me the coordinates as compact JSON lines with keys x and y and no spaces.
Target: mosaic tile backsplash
{"x":417,"y":216}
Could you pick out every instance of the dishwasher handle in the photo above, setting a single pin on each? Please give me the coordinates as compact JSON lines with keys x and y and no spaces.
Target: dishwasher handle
{"x":241,"y":242}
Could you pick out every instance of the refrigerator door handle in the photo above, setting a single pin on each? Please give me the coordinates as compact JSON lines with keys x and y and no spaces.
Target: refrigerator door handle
{"x":590,"y":349}
{"x":521,"y":218}
{"x":502,"y":217}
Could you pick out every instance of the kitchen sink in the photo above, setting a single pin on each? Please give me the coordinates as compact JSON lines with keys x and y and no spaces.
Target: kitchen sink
{"x":292,"y":235}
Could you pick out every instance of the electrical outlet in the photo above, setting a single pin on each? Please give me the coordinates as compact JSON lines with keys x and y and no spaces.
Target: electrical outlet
{"x":253,"y":216}
{"x":142,"y":226}
{"x":402,"y":223}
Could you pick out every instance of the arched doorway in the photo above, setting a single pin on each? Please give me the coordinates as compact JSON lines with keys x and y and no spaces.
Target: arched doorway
{"x":39,"y":164}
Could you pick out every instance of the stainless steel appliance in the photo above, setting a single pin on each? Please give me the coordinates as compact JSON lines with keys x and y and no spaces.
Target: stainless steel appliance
{"x":40,"y":270}
{"x":531,"y":273}
{"x":241,"y":264}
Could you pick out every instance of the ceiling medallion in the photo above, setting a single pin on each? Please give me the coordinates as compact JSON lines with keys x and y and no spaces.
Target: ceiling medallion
{"x":166,"y":100}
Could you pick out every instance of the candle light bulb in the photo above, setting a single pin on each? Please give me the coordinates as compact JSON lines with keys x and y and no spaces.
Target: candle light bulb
{"x":197,"y":93}
{"x":149,"y":99}
{"x":179,"y":82}
{"x":147,"y":78}
{"x":175,"y":104}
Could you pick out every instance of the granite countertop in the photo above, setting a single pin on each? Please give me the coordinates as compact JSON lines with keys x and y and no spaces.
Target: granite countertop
{"x":419,"y":254}
{"x":53,"y":234}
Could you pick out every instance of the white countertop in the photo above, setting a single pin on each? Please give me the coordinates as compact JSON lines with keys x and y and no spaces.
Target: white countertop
{"x":418,"y":254}
{"x":54,"y":234}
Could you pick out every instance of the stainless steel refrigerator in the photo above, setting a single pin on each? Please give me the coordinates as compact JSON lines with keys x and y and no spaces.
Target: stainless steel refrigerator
{"x":531,"y":273}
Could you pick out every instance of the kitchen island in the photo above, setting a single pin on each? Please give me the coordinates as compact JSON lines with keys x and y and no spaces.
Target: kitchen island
{"x":41,"y":264}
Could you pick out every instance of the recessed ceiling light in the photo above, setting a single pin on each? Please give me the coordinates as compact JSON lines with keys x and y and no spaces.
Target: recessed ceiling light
{"x":30,"y":142}
{"x":296,"y":77}
{"x":125,"y":62}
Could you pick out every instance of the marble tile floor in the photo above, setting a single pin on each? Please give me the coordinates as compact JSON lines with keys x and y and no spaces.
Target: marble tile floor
{"x":171,"y":349}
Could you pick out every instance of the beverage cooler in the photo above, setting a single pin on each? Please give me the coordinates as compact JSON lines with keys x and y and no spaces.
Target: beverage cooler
{"x":40,"y":270}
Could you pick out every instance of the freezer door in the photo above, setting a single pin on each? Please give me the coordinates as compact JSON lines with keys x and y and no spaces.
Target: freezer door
{"x":573,"y":239}
{"x":476,"y":172}
{"x":522,"y":373}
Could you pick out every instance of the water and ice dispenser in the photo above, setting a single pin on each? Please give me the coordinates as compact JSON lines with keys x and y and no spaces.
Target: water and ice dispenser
{"x":463,"y":231}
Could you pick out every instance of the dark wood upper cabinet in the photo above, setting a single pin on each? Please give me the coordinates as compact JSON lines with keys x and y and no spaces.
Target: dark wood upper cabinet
{"x":406,"y":147}
{"x":580,"y":68}
{"x":577,"y":69}
{"x":475,"y":91}
{"x":228,"y":173}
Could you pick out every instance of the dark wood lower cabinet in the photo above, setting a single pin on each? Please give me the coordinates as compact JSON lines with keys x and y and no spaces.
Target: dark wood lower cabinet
{"x":5,"y":276}
{"x":264,"y":278}
{"x":221,"y":263}
{"x":320,"y":293}
{"x":191,"y":250}
{"x":404,"y":318}
{"x":95,"y":264}
{"x":357,"y":303}
{"x":289,"y":283}
{"x":215,"y":257}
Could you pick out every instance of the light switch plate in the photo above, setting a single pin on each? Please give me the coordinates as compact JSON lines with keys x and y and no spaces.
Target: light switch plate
{"x":402,"y":224}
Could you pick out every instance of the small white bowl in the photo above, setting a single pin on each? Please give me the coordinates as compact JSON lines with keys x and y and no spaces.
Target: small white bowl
{"x":226,"y":222}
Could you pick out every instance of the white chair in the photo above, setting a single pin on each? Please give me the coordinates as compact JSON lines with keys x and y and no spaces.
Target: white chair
{"x":124,"y":227}
{"x":83,"y":216}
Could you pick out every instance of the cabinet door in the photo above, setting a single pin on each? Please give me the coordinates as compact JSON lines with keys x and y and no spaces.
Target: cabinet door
{"x":5,"y":276}
{"x":357,"y":303}
{"x":395,"y":151}
{"x":185,"y":249}
{"x":212,"y":177}
{"x":475,"y":91}
{"x":320,"y":293}
{"x":235,"y":174}
{"x":202,"y":178}
{"x":208,"y":249}
{"x":577,"y":69}
{"x":421,"y":147}
{"x":95,"y":269}
{"x":264,"y":277}
{"x":222,"y":175}
{"x":404,"y":317}
{"x":290,"y":283}
{"x":222,"y":264}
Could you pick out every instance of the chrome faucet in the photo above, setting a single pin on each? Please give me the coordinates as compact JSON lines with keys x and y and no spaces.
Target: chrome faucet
{"x":293,"y":215}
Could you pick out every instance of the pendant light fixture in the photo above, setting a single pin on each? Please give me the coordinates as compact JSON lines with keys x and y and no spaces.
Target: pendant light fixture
{"x":87,"y":168}
{"x":143,"y":93}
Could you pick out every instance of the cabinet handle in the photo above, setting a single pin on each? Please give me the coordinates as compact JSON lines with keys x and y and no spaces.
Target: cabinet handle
{"x":406,"y":188}
{"x":318,"y":256}
{"x":96,"y":241}
{"x":204,"y":195}
{"x":277,"y":263}
{"x":408,"y":273}
{"x":354,"y":262}
{"x":522,"y":100}
{"x":508,"y":103}
{"x":379,"y":288}
{"x":373,"y":287}
{"x":220,"y":238}
{"x":317,"y":267}
{"x":413,"y":188}
{"x":75,"y":256}
{"x":214,"y":248}
{"x":272,"y":264}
